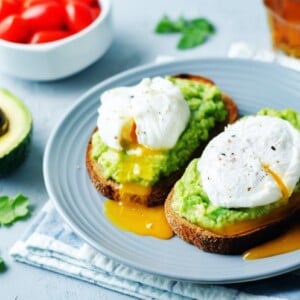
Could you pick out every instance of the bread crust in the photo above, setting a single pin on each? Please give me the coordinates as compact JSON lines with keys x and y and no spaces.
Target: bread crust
{"x":225,"y":244}
{"x":110,"y":189}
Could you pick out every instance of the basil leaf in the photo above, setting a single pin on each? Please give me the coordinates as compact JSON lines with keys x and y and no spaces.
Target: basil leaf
{"x":203,"y":24}
{"x":165,"y":25}
{"x":194,"y":32}
{"x":191,"y":38}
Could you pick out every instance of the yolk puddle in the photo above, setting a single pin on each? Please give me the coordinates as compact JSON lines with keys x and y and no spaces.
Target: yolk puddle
{"x":287,"y":242}
{"x":283,"y":188}
{"x":138,"y":218}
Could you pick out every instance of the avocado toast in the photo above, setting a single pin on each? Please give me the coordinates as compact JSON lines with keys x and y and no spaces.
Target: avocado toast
{"x":231,"y":225}
{"x":111,"y":170}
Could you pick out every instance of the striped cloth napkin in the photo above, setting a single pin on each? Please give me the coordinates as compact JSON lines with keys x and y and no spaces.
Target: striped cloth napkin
{"x":50,"y":244}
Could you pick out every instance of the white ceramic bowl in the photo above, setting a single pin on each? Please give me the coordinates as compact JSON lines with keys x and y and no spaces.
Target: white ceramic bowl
{"x":62,"y":58}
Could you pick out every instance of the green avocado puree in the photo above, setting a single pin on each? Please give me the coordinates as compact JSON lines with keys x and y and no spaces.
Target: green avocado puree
{"x":191,"y":202}
{"x":207,"y":108}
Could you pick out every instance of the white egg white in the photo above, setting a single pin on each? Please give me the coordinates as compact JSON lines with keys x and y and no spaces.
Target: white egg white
{"x":156,"y":106}
{"x":254,"y":162}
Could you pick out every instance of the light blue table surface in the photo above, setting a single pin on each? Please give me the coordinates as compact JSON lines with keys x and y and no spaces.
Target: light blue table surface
{"x":134,"y":44}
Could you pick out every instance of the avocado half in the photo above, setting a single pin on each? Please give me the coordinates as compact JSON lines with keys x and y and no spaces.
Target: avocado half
{"x":15,"y":132}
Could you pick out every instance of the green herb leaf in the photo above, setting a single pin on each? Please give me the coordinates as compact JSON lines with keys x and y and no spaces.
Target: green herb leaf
{"x":191,"y":38}
{"x":12,"y":209}
{"x":165,"y":25}
{"x":194,"y":32}
{"x":203,"y":24}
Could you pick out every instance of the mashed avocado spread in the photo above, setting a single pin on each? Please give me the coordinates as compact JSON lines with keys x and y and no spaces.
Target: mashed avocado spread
{"x":207,"y":108}
{"x":191,"y":202}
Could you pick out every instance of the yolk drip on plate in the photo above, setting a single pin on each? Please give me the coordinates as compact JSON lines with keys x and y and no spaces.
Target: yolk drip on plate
{"x":125,"y":214}
{"x":287,"y":242}
{"x":138,"y":218}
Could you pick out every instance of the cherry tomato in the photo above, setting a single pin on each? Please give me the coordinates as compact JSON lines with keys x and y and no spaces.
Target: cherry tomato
{"x":96,"y":12}
{"x":8,"y":7}
{"x":87,"y":2}
{"x":47,"y":36}
{"x":44,"y":16}
{"x":28,"y":3}
{"x":78,"y":15}
{"x":13,"y":29}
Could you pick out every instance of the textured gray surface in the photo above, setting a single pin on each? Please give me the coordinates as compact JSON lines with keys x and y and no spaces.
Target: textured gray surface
{"x":134,"y":44}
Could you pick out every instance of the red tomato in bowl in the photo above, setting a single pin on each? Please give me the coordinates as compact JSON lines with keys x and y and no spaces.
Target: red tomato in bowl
{"x":41,"y":21}
{"x":47,"y":36}
{"x":96,"y":12}
{"x":87,"y":2}
{"x":78,"y":15}
{"x":44,"y":16}
{"x":8,"y":7}
{"x":28,"y":3}
{"x":13,"y":29}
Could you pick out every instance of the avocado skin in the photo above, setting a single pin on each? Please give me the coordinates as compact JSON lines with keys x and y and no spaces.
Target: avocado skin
{"x":12,"y":160}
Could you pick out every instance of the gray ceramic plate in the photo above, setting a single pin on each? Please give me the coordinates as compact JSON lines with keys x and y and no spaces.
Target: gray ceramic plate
{"x":253,"y":85}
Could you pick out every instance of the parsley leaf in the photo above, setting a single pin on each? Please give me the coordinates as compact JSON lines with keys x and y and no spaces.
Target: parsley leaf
{"x":13,"y":208}
{"x":194,"y":32}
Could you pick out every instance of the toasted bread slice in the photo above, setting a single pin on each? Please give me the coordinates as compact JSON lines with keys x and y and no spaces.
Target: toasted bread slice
{"x":111,"y":189}
{"x":227,"y":244}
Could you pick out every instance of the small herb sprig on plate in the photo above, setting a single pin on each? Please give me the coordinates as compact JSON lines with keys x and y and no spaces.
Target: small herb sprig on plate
{"x":194,"y":32}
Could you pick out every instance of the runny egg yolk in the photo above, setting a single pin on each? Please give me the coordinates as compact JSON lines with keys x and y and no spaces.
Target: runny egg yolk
{"x":133,"y":217}
{"x":136,"y":160}
{"x":285,"y":192}
{"x":128,"y":135}
{"x":129,"y":141}
{"x":287,"y":242}
{"x":138,"y":218}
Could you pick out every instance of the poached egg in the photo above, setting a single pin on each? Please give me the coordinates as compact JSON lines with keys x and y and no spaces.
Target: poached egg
{"x":152,"y":113}
{"x":254,"y":162}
